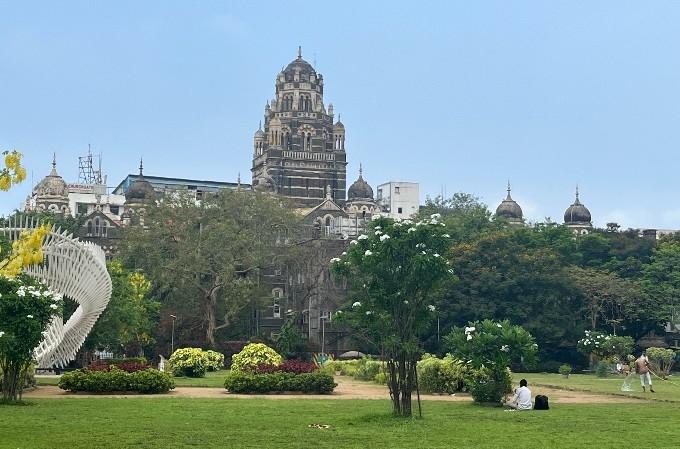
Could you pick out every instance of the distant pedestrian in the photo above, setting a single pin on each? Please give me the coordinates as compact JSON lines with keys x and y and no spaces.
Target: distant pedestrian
{"x":642,"y":368}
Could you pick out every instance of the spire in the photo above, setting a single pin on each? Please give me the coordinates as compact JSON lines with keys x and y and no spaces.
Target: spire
{"x":577,"y":199}
{"x":238,"y":180}
{"x":259,"y":127}
{"x":299,"y":52}
{"x":141,"y":167}
{"x":361,"y":170}
{"x":509,"y":197}
{"x":54,"y":165}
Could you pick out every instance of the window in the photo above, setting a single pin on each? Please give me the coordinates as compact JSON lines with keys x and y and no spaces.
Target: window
{"x":89,"y":227}
{"x":379,"y":194}
{"x":115,"y":210}
{"x":96,"y":226}
{"x":399,"y":210}
{"x":396,"y":190}
{"x":276,"y":304}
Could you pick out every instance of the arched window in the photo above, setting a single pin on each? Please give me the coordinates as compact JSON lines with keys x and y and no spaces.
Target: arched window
{"x":328,"y":221}
{"x":104,"y":228}
{"x":96,"y":226}
{"x":89,"y":227}
{"x":309,"y":142}
{"x":277,"y":293}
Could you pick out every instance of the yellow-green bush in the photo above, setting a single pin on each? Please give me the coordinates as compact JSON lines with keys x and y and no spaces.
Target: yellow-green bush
{"x":446,"y":375}
{"x":254,"y":355}
{"x":190,"y":362}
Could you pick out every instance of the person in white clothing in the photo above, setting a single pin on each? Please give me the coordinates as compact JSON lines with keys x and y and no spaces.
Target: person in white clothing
{"x":522,"y":397}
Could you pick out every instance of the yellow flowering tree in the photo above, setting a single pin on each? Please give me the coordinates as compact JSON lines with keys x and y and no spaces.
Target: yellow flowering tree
{"x":12,"y":173}
{"x":25,"y":251}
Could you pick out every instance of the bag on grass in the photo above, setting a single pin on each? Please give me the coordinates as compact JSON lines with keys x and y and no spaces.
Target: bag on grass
{"x":541,"y":403}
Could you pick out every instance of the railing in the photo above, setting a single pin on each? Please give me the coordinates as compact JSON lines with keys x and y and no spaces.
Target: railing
{"x":308,"y":156}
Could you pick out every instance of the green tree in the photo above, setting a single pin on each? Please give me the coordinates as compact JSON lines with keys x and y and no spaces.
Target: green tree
{"x":393,"y":270}
{"x":205,"y":256}
{"x":466,"y":217}
{"x":130,"y":317}
{"x":661,"y":279}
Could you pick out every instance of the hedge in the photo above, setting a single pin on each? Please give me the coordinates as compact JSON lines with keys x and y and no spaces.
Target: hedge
{"x":247,"y":382}
{"x":149,"y":381}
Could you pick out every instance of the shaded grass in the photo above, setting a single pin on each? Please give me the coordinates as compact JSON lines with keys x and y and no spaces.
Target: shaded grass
{"x":665,"y":391}
{"x":211,"y":379}
{"x":261,"y":423}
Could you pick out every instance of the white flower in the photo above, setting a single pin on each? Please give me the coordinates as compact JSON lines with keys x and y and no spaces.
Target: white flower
{"x":499,"y":325}
{"x":378,"y":232}
{"x":469,"y":337}
{"x":407,"y":221}
{"x":431,"y":308}
{"x":423,"y":252}
{"x":368,"y":253}
{"x":505,"y":348}
{"x":1,"y":333}
{"x":411,"y":230}
{"x":362,"y":237}
{"x":29,"y":316}
{"x":447,"y":236}
{"x":405,"y":301}
{"x":420,"y":245}
{"x":436,"y":255}
{"x":469,"y":329}
{"x":397,"y":224}
{"x":450,"y":270}
{"x":356,"y":304}
{"x":534,"y":345}
{"x":442,"y":224}
{"x":21,"y":292}
{"x":378,"y":227}
{"x":436,"y":216}
{"x":335,"y":259}
{"x":384,"y":237}
{"x":368,"y":312}
{"x":353,"y":242}
{"x":338,"y":312}
{"x":57,"y":297}
{"x":344,"y":253}
{"x":54,"y":306}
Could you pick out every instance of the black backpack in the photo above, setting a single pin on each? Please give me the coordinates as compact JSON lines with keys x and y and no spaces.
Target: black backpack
{"x":541,"y":403}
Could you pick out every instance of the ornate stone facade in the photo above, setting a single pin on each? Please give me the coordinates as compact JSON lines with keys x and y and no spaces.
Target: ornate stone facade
{"x":301,"y":150}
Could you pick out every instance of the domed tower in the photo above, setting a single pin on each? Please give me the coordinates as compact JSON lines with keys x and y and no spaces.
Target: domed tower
{"x":510,"y":210}
{"x":577,"y":217}
{"x":302,"y":150}
{"x":360,"y":202}
{"x":259,"y":141}
{"x":51,"y":194}
{"x":138,"y":195}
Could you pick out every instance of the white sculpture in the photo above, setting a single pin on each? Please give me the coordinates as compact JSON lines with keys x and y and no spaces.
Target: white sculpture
{"x":78,"y":271}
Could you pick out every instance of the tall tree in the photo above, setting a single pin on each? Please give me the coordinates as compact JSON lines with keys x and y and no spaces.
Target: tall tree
{"x":205,"y":256}
{"x":661,"y":279}
{"x":466,"y":217}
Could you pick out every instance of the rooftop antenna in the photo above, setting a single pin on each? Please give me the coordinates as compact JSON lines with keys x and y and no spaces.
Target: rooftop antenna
{"x":87,"y":174}
{"x":314,"y":61}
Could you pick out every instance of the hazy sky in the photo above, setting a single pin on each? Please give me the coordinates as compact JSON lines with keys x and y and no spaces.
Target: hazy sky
{"x":460,"y":94}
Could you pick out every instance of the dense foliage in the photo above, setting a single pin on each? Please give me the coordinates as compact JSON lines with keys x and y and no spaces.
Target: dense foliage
{"x":661,"y":360}
{"x":26,"y":309}
{"x":393,"y":271}
{"x":189,"y":362}
{"x":253,"y":356}
{"x":445,"y":375}
{"x":248,"y":382}
{"x":606,"y":346}
{"x":288,"y":366}
{"x":215,"y":360}
{"x":146,"y":381}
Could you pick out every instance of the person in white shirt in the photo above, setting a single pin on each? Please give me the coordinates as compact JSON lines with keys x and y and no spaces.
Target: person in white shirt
{"x":522,"y":397}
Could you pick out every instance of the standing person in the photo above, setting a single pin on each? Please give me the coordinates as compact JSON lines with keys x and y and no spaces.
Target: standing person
{"x":642,"y":368}
{"x":522,"y":398}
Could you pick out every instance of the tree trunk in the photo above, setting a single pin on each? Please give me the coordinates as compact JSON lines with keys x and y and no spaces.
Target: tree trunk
{"x":401,"y":368}
{"x":13,"y":381}
{"x":210,"y":319}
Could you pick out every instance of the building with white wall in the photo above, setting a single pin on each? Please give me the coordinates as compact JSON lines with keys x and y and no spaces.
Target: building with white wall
{"x":399,"y":199}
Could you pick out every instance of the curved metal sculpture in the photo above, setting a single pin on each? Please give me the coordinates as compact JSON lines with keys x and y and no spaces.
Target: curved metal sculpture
{"x":76,"y":270}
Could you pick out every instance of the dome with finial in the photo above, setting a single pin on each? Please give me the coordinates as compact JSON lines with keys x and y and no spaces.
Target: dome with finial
{"x":509,"y":208}
{"x":360,"y":189}
{"x":577,"y":213}
{"x":259,"y":133}
{"x":338,"y":125}
{"x":300,"y":66}
{"x":140,"y":190}
{"x":52,"y":184}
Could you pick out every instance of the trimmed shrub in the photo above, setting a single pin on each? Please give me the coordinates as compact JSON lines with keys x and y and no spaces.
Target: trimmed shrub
{"x":288,"y":366}
{"x":565,"y":370}
{"x":367,"y":369}
{"x":148,"y":381}
{"x":490,"y":386}
{"x":254,"y":355}
{"x":215,"y":360}
{"x":602,"y":369}
{"x":127,"y":366}
{"x":661,"y":360}
{"x":189,"y":362}
{"x":248,"y":382}
{"x":445,"y":375}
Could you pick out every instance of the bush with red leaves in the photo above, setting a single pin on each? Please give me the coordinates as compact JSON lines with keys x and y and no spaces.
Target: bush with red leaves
{"x":129,"y":367}
{"x":288,"y":366}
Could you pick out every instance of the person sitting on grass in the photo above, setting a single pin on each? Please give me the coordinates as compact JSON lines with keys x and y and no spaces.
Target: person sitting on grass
{"x":522,"y":397}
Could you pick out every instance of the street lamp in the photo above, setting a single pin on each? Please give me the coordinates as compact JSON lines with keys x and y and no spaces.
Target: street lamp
{"x":172,"y":337}
{"x":323,"y":334}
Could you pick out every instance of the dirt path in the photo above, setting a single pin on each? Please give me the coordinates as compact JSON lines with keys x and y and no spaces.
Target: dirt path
{"x":347,"y":389}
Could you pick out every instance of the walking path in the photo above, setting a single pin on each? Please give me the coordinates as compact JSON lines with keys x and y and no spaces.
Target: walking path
{"x":347,"y":389}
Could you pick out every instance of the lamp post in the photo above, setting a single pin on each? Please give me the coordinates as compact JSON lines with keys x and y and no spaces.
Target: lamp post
{"x":172,"y":336}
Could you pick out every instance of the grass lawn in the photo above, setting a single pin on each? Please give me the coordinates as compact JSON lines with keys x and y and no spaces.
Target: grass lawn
{"x":211,"y":379}
{"x":611,"y":385}
{"x":269,"y":423}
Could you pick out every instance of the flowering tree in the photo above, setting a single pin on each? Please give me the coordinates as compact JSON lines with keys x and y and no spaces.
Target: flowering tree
{"x":605,"y":346}
{"x":490,"y":348}
{"x":393,"y":270}
{"x":26,"y":308}
{"x":12,"y":172}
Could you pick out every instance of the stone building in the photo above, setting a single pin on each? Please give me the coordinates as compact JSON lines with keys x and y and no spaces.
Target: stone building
{"x":50,"y":194}
{"x":577,"y":217}
{"x":301,"y":150}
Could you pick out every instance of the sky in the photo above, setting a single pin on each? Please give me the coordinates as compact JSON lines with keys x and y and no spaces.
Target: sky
{"x":455,"y":95}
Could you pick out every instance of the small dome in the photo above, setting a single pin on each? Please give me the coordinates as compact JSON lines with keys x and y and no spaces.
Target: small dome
{"x":509,"y":208}
{"x":339,"y":125}
{"x":360,"y":189}
{"x":298,"y":65}
{"x":141,"y":190}
{"x":259,"y":133}
{"x":577,"y":213}
{"x":52,"y":184}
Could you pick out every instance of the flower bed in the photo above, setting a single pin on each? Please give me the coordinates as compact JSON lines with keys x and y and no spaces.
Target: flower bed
{"x":147,"y":381}
{"x":249,"y":382}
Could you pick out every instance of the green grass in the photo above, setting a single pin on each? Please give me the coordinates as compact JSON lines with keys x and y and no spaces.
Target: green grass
{"x":665,"y":391}
{"x":143,"y":422}
{"x":212,"y":379}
